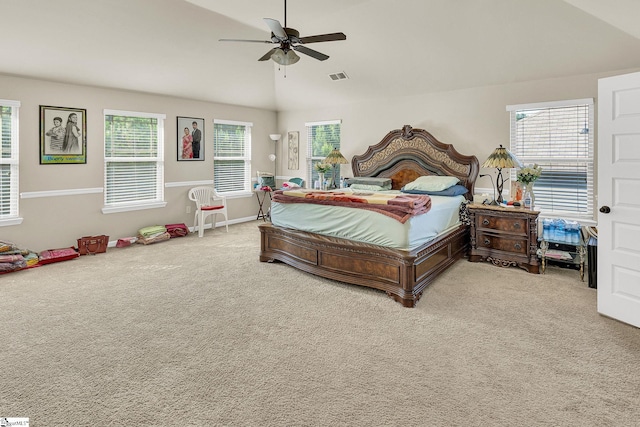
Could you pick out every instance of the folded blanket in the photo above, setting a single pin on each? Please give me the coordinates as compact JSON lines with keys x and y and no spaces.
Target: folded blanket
{"x":400,"y":207}
{"x":11,"y":258}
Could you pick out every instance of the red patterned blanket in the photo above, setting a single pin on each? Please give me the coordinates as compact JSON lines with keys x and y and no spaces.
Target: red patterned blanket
{"x":397,"y":206}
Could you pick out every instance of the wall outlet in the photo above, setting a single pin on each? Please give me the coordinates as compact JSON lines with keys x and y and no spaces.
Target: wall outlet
{"x":188,"y":209}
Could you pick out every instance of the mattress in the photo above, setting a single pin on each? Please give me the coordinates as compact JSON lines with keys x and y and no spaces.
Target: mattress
{"x":370,"y":227}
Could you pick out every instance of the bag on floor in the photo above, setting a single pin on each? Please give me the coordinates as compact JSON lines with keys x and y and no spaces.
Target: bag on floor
{"x":92,"y":244}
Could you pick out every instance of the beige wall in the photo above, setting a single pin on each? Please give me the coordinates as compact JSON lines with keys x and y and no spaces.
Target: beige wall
{"x":51,"y":222}
{"x":474,"y":120}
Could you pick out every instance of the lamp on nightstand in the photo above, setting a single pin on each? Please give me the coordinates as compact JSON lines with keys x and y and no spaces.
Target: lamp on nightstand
{"x":501,"y":158}
{"x":334,"y":158}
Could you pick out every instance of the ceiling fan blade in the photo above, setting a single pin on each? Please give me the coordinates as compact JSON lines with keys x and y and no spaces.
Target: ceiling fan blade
{"x":267,"y":56}
{"x":243,"y":40}
{"x":276,"y":28}
{"x":323,"y":38}
{"x":312,"y":53}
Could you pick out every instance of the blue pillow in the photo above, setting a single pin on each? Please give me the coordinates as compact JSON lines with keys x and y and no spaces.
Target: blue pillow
{"x":455,"y":190}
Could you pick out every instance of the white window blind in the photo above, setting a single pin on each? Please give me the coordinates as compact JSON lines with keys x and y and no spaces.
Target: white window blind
{"x":134,"y":158}
{"x":232,"y":156}
{"x":9,"y":161}
{"x":322,"y":137}
{"x":559,"y":137}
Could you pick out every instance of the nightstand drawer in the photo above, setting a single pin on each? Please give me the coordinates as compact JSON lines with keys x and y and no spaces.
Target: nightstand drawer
{"x":501,"y":243}
{"x":503,"y":223}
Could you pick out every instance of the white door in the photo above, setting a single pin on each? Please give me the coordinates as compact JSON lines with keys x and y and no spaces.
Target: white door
{"x":619,"y":198}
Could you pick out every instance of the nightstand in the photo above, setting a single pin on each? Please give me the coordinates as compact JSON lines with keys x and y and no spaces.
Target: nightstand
{"x":506,"y":237}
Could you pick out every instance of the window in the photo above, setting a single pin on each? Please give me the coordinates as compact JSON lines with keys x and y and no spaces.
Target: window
{"x":322,"y":137}
{"x":9,"y":162}
{"x":232,"y":156}
{"x":134,"y":161}
{"x":559,"y":137}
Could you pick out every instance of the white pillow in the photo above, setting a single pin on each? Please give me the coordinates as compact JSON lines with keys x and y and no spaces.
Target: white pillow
{"x":432,"y":183}
{"x":367,"y":187}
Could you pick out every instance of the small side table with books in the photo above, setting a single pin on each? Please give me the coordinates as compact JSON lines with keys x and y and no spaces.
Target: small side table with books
{"x":562,"y":243}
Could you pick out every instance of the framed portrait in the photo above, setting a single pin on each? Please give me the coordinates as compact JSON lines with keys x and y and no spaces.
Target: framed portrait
{"x":190,"y":139}
{"x":292,"y":139}
{"x":63,"y":135}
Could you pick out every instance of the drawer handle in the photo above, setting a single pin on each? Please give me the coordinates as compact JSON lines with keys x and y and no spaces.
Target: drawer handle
{"x":487,"y":242}
{"x":517,"y":246}
{"x":485,"y":222}
{"x":516,"y":225}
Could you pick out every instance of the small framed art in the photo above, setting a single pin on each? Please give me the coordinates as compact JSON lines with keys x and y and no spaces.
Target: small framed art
{"x":292,"y":139}
{"x":190,"y":139}
{"x":63,"y":135}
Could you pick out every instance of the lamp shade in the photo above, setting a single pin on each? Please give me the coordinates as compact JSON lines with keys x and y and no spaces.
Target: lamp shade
{"x":285,"y":58}
{"x":502,"y":158}
{"x":275,"y":136}
{"x":335,"y":157}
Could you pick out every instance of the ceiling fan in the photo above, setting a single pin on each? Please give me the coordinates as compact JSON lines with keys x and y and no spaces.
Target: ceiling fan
{"x":288,"y":40}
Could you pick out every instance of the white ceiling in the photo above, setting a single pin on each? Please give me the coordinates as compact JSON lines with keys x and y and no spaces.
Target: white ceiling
{"x":393,"y":47}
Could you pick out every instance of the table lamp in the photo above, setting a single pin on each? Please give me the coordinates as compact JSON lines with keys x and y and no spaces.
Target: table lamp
{"x":334,"y":158}
{"x":499,"y":159}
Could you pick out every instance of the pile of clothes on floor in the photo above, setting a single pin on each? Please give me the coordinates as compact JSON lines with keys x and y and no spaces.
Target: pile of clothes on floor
{"x":13,"y":258}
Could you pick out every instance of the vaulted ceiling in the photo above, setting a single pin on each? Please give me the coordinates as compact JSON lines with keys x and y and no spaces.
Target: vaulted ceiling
{"x":393,"y":47}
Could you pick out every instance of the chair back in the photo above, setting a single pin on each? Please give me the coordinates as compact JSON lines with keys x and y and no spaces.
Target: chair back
{"x":204,"y":196}
{"x":298,"y":181}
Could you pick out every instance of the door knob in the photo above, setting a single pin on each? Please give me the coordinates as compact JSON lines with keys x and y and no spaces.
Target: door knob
{"x":605,"y":209}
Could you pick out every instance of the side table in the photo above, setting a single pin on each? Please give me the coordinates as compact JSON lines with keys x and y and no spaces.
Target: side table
{"x":505,"y":237}
{"x":577,"y":252}
{"x":261,"y":200}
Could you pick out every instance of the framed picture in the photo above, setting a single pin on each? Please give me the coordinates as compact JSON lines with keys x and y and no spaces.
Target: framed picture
{"x":293,"y":150}
{"x":63,"y":135}
{"x":190,"y":139}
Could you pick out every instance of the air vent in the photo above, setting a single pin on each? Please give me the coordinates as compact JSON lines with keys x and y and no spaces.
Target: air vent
{"x":339,"y":76}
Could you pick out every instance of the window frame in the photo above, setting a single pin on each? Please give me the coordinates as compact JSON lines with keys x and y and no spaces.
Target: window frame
{"x":12,"y":218}
{"x":585,"y":161}
{"x":158,"y":201}
{"x":245,"y":158}
{"x":312,"y":159}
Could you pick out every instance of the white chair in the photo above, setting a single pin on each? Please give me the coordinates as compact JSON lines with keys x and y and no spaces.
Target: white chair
{"x":208,"y":202}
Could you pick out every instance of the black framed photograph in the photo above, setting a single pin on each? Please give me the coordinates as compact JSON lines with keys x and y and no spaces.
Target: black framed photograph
{"x":190,"y":139}
{"x":63,"y":135}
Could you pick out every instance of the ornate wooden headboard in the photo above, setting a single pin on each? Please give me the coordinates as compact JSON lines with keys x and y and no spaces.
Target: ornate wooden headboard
{"x":407,"y":153}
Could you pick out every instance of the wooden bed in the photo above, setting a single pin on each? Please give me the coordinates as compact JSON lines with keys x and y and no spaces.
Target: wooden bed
{"x":402,"y":155}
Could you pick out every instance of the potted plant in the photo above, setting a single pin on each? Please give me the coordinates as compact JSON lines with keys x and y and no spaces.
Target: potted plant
{"x":527,"y":176}
{"x":322,"y":168}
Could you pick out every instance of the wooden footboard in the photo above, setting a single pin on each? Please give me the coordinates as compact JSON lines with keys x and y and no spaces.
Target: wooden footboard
{"x":403,"y":275}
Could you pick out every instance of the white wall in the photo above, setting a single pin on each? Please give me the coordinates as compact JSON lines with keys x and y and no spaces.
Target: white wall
{"x":52,"y":222}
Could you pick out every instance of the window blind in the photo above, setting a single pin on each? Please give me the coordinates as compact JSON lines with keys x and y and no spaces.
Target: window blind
{"x":231,"y":156}
{"x":133,"y":153}
{"x":9,"y":159}
{"x":559,"y":137}
{"x":322,"y":137}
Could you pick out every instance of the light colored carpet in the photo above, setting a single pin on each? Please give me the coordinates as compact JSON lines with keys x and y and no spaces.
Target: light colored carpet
{"x":198,"y":332}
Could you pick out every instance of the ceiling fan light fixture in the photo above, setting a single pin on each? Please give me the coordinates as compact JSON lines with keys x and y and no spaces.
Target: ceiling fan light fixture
{"x":285,"y":58}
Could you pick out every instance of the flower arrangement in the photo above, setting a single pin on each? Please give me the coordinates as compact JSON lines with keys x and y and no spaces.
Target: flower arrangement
{"x":322,"y":167}
{"x":529,"y":174}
